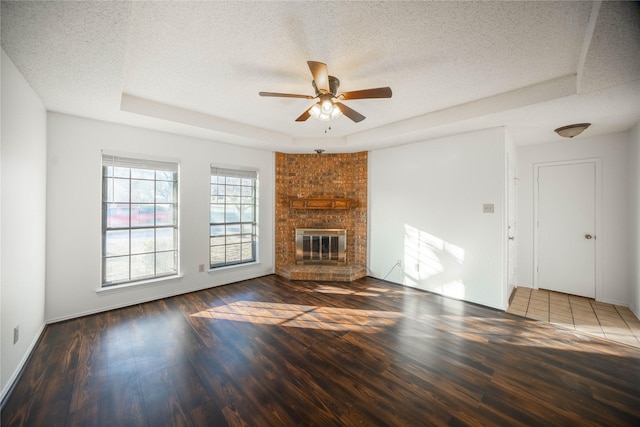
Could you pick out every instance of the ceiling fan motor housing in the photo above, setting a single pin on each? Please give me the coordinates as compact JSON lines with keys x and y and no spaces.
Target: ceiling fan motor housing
{"x":334,"y":84}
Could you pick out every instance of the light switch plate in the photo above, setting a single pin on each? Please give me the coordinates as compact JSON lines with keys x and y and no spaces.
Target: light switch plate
{"x":487,"y":208}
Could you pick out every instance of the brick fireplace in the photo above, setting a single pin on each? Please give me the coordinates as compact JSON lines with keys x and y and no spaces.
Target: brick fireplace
{"x":321,"y":192}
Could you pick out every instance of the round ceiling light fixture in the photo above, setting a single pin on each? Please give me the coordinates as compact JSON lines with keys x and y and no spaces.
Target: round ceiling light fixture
{"x":570,"y":131}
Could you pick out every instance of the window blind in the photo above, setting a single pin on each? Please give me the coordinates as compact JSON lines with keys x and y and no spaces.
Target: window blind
{"x":129,"y":162}
{"x":234,"y":173}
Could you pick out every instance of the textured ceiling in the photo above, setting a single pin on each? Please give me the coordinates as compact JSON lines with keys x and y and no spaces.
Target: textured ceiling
{"x":196,"y":68}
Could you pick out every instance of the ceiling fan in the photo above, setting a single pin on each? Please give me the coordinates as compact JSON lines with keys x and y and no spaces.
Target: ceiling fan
{"x":328,"y":106}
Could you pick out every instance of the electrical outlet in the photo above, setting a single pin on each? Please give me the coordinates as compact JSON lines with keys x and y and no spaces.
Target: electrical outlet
{"x":201,"y":268}
{"x":16,"y":334}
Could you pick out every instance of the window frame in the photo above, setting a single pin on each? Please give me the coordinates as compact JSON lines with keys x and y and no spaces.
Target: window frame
{"x":166,"y":178}
{"x":247,"y":236}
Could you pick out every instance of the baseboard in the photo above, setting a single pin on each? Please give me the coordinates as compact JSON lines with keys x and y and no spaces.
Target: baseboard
{"x":6,"y":391}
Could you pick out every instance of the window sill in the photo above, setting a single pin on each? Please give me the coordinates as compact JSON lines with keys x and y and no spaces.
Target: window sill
{"x":233,"y":266}
{"x":135,"y":285}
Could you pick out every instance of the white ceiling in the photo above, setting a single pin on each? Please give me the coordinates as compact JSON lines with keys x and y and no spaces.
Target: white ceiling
{"x":196,"y":68}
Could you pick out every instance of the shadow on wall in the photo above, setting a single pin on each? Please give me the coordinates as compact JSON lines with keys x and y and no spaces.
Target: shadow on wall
{"x":432,"y":264}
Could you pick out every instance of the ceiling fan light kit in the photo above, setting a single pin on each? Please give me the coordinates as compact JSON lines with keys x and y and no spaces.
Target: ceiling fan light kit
{"x":333,"y":112}
{"x":325,"y":109}
{"x":327,"y":106}
{"x":570,"y":131}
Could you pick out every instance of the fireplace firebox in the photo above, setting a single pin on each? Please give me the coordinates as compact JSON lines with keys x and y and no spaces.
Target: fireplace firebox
{"x":321,"y":246}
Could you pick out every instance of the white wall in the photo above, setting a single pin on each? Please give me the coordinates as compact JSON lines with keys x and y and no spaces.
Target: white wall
{"x":634,"y":219}
{"x":22,"y":219}
{"x":74,"y":212}
{"x":613,"y":239}
{"x":426,"y":209}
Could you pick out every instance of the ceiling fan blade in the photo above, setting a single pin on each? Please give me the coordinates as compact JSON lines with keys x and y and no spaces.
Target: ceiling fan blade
{"x":320,"y":75}
{"x":285,"y":95}
{"x":304,"y":116}
{"x":350,"y":112}
{"x":379,"y":92}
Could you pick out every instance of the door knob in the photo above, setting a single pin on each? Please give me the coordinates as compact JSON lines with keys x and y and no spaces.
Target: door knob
{"x":511,"y":237}
{"x":588,"y":236}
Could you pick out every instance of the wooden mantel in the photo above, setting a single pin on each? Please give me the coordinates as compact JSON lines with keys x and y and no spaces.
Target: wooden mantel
{"x":329,"y":203}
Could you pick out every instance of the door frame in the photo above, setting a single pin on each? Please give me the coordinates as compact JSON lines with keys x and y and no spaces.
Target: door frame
{"x":597,"y":162}
{"x":511,"y":213}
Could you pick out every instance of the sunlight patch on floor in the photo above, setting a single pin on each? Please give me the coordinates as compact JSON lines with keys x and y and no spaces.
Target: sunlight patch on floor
{"x":326,"y":289}
{"x":303,"y":316}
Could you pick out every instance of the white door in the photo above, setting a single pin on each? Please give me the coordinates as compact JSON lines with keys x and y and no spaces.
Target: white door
{"x":566,"y":225}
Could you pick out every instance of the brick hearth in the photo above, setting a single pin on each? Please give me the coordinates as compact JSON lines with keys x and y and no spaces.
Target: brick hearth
{"x":336,"y":176}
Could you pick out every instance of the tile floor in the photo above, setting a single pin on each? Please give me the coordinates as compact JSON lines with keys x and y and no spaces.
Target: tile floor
{"x":581,"y":314}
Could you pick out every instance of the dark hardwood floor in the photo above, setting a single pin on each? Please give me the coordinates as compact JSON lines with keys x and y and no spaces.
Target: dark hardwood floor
{"x":270,"y":352}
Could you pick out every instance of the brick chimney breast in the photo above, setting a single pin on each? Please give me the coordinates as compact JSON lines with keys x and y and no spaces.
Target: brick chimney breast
{"x":327,"y":183}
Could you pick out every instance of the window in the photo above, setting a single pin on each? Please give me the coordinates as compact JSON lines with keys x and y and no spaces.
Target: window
{"x":232,"y":217}
{"x":139,"y":219}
